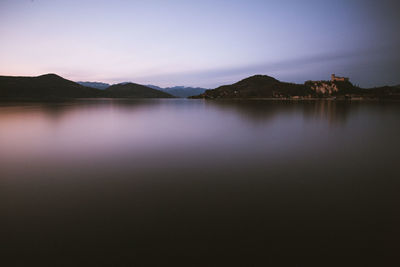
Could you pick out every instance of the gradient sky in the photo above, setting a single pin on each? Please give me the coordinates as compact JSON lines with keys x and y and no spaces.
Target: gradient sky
{"x":201,"y":43}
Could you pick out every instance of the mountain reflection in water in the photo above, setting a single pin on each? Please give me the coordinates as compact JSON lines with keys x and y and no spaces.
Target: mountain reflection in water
{"x":199,"y":183}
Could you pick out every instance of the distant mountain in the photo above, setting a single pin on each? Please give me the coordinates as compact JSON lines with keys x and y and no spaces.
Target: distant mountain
{"x":262,"y":86}
{"x":97,"y":85}
{"x":155,"y":87}
{"x":180,"y":91}
{"x":133,"y":90}
{"x":44,"y":86}
{"x":52,"y":86}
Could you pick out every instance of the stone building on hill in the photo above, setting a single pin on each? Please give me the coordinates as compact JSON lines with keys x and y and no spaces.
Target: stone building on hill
{"x":334,"y":78}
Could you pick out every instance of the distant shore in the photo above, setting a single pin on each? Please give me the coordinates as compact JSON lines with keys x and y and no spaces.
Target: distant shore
{"x":358,"y":99}
{"x":61,"y":100}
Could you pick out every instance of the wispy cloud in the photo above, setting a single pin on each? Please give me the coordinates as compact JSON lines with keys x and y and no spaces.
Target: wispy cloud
{"x":328,"y":61}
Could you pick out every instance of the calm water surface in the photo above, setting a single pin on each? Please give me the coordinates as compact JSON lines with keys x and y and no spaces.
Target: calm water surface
{"x":199,"y":183}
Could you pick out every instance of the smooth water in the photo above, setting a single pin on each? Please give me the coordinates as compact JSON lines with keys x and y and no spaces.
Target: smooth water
{"x":199,"y":183}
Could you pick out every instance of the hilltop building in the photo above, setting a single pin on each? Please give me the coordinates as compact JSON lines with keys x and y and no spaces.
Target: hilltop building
{"x":327,"y":88}
{"x":334,"y":78}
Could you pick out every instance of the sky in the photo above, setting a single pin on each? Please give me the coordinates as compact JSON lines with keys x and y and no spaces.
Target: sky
{"x":201,"y":43}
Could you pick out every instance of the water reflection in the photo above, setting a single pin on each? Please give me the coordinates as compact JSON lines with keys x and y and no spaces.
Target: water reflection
{"x":116,"y":182}
{"x":334,"y":112}
{"x":257,"y":110}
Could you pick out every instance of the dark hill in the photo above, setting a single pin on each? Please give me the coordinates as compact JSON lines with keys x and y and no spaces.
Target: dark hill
{"x":44,"y":86}
{"x":52,"y":86}
{"x":261,"y":86}
{"x":258,"y":86}
{"x":133,"y":90}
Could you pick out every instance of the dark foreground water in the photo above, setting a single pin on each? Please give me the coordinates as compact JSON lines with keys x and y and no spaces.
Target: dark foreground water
{"x":199,"y":183}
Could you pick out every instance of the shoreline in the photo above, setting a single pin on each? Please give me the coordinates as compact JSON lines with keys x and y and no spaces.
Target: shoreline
{"x":304,"y":99}
{"x":55,"y":100}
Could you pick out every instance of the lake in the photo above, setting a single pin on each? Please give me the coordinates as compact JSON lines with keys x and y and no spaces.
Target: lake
{"x":199,"y":183}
